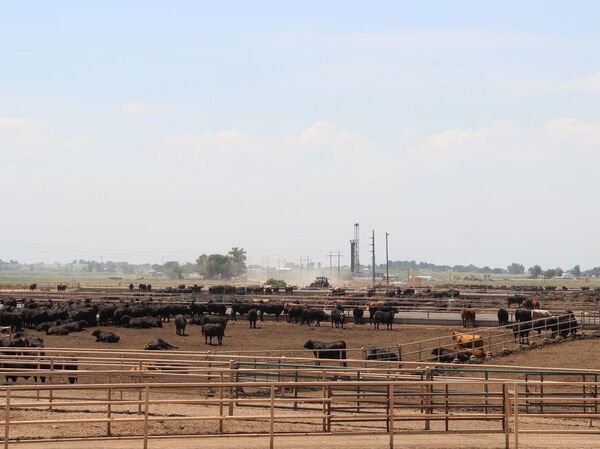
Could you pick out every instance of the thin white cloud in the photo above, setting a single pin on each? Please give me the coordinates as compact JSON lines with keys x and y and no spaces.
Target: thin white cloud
{"x":321,"y":138}
{"x":142,"y":109}
{"x":588,"y":83}
{"x":22,"y":136}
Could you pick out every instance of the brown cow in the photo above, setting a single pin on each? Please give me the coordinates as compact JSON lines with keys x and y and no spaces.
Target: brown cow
{"x":467,"y":341}
{"x":468,"y":317}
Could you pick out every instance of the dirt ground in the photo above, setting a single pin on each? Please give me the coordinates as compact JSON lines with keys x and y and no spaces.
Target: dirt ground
{"x":270,"y":335}
{"x":273,"y":335}
{"x":579,"y":354}
{"x":338,"y":442}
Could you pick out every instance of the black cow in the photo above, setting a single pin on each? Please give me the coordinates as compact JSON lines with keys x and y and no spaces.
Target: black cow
{"x":381,"y":354}
{"x":358,"y":314}
{"x":338,"y":318}
{"x":105,"y":337}
{"x":201,"y":321}
{"x":144,"y":322}
{"x":105,"y":313}
{"x":61,"y":287}
{"x":270,"y":309}
{"x":180,"y":323}
{"x":522,"y":315}
{"x":383,"y":317}
{"x":197,"y":309}
{"x":515,"y":299}
{"x":313,"y":314}
{"x":87,"y":314}
{"x":295,"y":313}
{"x":213,"y":330}
{"x":567,"y":324}
{"x":158,"y":344}
{"x":32,"y":287}
{"x":324,"y":350}
{"x":521,"y":332}
{"x":61,"y":329}
{"x":502,"y":317}
{"x":240,"y":307}
{"x":216,"y":308}
{"x":252,"y":317}
{"x":445,"y":355}
{"x":12,"y":319}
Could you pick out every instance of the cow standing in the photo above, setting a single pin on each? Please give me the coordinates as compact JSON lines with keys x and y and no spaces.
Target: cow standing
{"x":324,"y":350}
{"x":502,"y":317}
{"x":180,"y":324}
{"x":468,"y":317}
{"x":338,"y":318}
{"x":252,"y":317}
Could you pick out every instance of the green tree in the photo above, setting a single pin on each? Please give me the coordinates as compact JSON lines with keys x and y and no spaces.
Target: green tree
{"x":515,"y":268}
{"x":201,"y":263}
{"x":238,"y":255}
{"x":218,"y":265}
{"x":276,"y":282}
{"x":559,"y":272}
{"x":576,"y":271}
{"x":550,"y":273}
{"x":535,"y":271}
{"x":173,"y":270}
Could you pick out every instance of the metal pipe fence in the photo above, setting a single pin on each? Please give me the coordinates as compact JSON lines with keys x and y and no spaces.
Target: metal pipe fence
{"x":149,"y":411}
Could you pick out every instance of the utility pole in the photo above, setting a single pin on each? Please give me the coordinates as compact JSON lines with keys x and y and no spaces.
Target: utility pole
{"x":387,"y":261}
{"x":339,"y":256}
{"x":373,"y":253}
{"x":330,"y":264}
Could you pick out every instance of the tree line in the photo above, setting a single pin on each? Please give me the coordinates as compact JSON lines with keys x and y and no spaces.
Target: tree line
{"x":515,"y":268}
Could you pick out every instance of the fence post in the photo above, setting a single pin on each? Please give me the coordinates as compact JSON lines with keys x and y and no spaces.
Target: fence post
{"x":232,"y":370}
{"x":7,"y":418}
{"x":324,"y":403}
{"x":428,"y":391}
{"x":221,"y":402}
{"x":391,"y":414}
{"x":516,"y":423}
{"x":446,"y":408}
{"x":595,"y":395}
{"x":329,"y":399}
{"x":109,"y":408}
{"x":506,"y":419}
{"x":295,"y":387}
{"x":146,"y":406}
{"x":358,"y":392}
{"x":486,"y":391}
{"x":542,"y":393}
{"x":272,"y":420}
{"x":51,"y":392}
{"x":139,"y":389}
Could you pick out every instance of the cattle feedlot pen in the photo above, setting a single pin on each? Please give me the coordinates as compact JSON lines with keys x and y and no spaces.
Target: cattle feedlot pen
{"x":140,"y":390}
{"x":422,"y":408}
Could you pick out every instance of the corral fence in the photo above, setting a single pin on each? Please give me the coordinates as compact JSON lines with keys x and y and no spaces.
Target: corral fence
{"x":149,"y":411}
{"x":424,"y":304}
{"x":493,"y":339}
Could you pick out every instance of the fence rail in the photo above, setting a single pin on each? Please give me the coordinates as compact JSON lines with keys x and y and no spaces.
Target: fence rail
{"x":147,"y":411}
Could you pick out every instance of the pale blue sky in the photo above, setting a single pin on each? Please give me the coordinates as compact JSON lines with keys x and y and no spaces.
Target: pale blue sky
{"x":137,"y":130}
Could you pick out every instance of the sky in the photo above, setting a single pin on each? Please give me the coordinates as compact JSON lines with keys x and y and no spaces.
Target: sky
{"x":161,"y":130}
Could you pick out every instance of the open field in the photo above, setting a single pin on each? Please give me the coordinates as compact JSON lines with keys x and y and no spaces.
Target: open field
{"x":105,"y":280}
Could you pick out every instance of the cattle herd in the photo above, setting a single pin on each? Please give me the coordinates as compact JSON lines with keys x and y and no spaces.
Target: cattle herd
{"x":56,"y":317}
{"x":529,"y":317}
